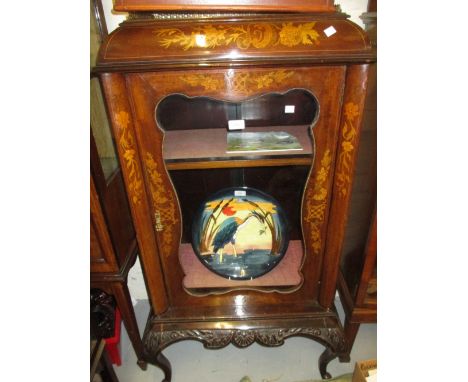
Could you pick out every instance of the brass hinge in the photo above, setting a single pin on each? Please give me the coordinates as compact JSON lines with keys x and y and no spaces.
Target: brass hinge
{"x":158,"y":226}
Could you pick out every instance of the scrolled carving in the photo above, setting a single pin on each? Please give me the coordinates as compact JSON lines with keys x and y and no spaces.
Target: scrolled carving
{"x":244,"y":338}
{"x":337,"y":339}
{"x":211,"y":339}
{"x":155,"y":341}
{"x":270,"y":337}
{"x":102,"y":309}
{"x":215,"y":339}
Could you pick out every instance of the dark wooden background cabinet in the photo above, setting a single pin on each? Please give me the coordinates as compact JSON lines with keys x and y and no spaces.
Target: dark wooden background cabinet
{"x":113,"y":245}
{"x":236,"y":58}
{"x":357,"y":281}
{"x":357,"y":286}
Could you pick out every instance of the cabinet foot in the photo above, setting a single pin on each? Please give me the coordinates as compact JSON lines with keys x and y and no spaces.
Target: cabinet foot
{"x":350,"y":330}
{"x":344,"y":358}
{"x":324,"y":360}
{"x":163,"y":363}
{"x":143,"y":364}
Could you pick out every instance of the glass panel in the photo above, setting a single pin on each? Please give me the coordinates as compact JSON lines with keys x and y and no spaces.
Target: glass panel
{"x":99,"y":122}
{"x":95,"y":37}
{"x":179,"y":112}
{"x":276,"y":125}
{"x":101,"y":131}
{"x":272,"y":154}
{"x":284,"y":184}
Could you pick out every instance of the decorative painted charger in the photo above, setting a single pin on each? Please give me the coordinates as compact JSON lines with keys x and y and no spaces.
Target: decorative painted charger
{"x":240,"y":233}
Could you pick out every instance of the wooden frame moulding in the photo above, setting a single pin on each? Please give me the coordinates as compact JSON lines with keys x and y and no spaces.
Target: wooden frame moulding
{"x":220,"y":5}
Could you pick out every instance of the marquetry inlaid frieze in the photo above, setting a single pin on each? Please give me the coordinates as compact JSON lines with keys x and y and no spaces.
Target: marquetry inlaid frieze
{"x":257,"y":36}
{"x":239,"y":82}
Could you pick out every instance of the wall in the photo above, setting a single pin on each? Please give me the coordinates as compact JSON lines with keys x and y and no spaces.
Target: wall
{"x":113,"y":19}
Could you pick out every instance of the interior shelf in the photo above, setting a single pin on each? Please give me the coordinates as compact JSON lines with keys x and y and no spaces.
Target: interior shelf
{"x":285,"y":274}
{"x":206,"y":148}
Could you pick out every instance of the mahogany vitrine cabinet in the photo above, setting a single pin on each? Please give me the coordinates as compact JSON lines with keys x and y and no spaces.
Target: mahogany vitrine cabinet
{"x":174,"y":83}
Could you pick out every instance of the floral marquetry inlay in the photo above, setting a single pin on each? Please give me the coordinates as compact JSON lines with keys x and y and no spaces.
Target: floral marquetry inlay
{"x":240,"y":82}
{"x":208,"y":82}
{"x":127,"y":144}
{"x":317,"y":202}
{"x":244,"y":81}
{"x":347,"y":147}
{"x":164,"y":206}
{"x":259,"y":36}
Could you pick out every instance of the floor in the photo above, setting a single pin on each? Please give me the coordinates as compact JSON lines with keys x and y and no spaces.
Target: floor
{"x":296,"y":360}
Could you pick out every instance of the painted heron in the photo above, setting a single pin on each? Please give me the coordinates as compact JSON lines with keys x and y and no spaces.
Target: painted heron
{"x":228,"y":230}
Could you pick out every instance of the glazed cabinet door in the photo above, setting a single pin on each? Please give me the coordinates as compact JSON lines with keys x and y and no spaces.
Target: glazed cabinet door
{"x":171,"y":132}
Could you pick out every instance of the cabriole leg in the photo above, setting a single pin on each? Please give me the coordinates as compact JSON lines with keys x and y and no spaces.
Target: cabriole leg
{"x":143,"y":365}
{"x":163,"y":363}
{"x":324,"y":359}
{"x":350,"y":330}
